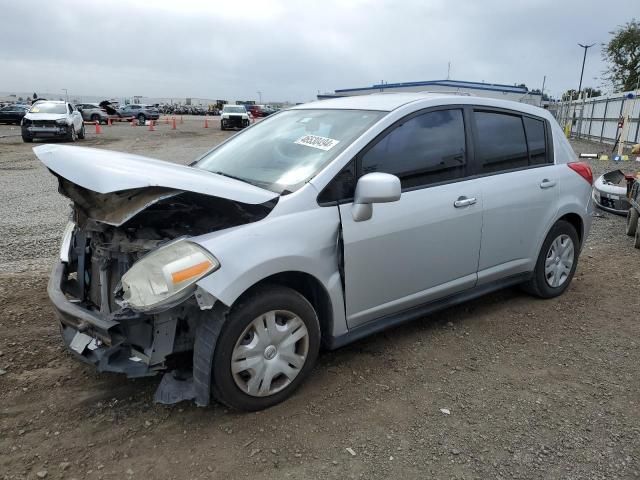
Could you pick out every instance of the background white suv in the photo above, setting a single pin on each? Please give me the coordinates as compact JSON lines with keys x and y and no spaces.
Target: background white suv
{"x":234,"y":116}
{"x":52,"y":119}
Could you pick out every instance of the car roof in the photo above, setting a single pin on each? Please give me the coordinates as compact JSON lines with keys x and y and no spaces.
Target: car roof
{"x":391,"y":101}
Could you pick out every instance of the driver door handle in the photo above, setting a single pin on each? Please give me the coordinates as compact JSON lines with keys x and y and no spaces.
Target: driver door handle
{"x":464,"y":202}
{"x":546,"y":183}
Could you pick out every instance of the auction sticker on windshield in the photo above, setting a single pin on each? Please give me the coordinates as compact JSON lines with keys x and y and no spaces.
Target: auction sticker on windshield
{"x":321,"y":143}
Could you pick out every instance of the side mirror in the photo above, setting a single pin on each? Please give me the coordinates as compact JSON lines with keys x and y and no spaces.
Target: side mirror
{"x":374,"y":188}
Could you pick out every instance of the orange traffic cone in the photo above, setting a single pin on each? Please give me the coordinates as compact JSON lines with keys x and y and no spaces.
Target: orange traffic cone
{"x":206,"y":122}
{"x":173,"y":127}
{"x":151,"y":128}
{"x":98,"y":129}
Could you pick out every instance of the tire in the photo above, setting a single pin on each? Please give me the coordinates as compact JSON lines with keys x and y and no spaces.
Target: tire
{"x":542,"y":286}
{"x":72,"y":137}
{"x":636,"y":241}
{"x":632,"y":221}
{"x":290,"y":312}
{"x":27,"y":139}
{"x":95,"y":117}
{"x":81,"y":133}
{"x":141,"y":119}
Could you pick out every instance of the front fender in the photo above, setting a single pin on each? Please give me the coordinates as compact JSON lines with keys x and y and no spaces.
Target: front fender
{"x":303,"y":242}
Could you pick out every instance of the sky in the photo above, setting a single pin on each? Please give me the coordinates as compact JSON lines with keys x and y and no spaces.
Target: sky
{"x":290,"y":50}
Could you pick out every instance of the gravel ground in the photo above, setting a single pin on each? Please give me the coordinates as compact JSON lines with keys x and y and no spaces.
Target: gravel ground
{"x":506,"y":386}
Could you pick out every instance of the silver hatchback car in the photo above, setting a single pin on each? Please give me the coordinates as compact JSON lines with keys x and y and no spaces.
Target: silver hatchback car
{"x":315,"y":227}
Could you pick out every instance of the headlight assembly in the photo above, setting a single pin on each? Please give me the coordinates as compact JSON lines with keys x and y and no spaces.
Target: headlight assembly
{"x":166,"y":276}
{"x":61,"y":121}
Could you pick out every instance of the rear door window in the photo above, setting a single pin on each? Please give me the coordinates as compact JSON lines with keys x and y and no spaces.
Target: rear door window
{"x":425,"y":149}
{"x":500,"y":142}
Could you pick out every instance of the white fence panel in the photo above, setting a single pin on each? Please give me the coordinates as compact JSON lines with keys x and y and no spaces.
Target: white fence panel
{"x":597,"y":118}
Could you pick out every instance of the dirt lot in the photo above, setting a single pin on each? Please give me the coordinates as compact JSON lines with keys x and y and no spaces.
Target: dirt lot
{"x":535,"y":389}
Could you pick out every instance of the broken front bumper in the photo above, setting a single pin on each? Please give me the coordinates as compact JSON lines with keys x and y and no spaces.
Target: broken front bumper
{"x":92,"y":337}
{"x":46,"y":132}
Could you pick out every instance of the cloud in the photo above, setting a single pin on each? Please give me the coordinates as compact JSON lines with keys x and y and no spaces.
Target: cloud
{"x":290,"y":50}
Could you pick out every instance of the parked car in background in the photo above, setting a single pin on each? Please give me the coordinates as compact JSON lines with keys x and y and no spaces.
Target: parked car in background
{"x":92,"y":112}
{"x":256,"y":111}
{"x":234,"y":116}
{"x":52,"y":119}
{"x":140,"y":112}
{"x":633,"y":214}
{"x":317,"y":226}
{"x":13,"y":114}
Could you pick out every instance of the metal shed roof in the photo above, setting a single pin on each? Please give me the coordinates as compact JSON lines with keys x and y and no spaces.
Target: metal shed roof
{"x":497,"y":87}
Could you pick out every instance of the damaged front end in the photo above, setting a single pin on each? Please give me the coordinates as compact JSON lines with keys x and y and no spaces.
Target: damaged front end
{"x":124,"y":286}
{"x":109,"y":234}
{"x":611,"y":192}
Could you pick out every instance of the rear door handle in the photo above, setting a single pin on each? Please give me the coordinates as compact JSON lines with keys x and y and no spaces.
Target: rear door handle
{"x":546,"y":183}
{"x":464,"y":202}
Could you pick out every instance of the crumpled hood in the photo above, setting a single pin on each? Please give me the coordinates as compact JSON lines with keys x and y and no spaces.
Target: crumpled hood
{"x":105,"y":171}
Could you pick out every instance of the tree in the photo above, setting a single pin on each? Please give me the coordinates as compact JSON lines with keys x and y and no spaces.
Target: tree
{"x":623,"y":54}
{"x":587,"y":92}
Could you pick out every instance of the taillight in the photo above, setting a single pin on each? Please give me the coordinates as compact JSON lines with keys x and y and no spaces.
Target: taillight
{"x":583,"y":169}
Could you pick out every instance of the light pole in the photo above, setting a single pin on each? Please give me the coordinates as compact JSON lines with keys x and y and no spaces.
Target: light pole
{"x":66,"y":94}
{"x":584,"y":58}
{"x":259,"y":96}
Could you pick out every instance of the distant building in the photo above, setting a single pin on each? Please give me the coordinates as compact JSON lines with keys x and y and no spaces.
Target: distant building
{"x":480,"y":89}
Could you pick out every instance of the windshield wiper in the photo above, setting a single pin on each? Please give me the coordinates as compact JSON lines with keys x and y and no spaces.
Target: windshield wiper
{"x":234,"y":177}
{"x":255,"y":183}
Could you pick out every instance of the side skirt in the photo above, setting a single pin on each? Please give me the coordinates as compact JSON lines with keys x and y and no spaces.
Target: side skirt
{"x":414,"y":313}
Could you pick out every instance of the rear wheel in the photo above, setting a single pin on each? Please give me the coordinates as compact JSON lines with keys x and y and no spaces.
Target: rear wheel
{"x":267,"y":347}
{"x":632,"y":221}
{"x":557,"y":262}
{"x":141,"y":119}
{"x":95,"y":118}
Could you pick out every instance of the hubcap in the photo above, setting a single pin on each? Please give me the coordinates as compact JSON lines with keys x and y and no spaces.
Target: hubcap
{"x":559,"y":261}
{"x":270,"y":353}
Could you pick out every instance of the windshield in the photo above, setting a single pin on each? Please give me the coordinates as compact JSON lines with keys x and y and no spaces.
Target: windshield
{"x":284,"y":151}
{"x":46,"y":107}
{"x":234,"y":110}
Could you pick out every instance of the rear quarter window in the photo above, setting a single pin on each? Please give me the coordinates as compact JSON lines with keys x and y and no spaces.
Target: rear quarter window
{"x":536,"y":139}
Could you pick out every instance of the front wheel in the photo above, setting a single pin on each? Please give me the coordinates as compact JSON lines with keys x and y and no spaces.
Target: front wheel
{"x":73,"y":135}
{"x":81,"y":134}
{"x":556,"y":262}
{"x":267,"y":347}
{"x":141,"y":119}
